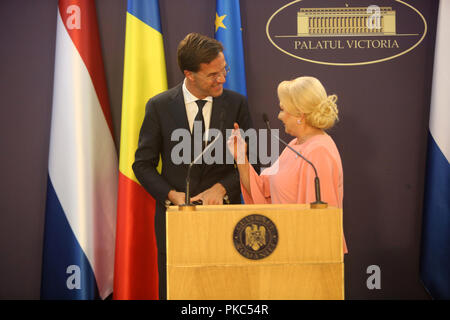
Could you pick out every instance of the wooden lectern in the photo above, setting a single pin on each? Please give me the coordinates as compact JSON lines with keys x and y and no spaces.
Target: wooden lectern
{"x":204,"y":263}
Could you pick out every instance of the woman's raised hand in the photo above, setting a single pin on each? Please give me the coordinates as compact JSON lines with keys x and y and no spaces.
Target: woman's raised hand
{"x":236,"y":145}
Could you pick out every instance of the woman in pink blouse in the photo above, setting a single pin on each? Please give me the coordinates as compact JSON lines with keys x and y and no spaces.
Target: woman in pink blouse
{"x":306,"y":112}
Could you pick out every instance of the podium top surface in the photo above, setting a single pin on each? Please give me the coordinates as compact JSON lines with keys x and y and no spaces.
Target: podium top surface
{"x":247,"y":207}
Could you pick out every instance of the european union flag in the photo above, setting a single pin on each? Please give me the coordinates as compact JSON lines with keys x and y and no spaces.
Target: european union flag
{"x":229,"y":32}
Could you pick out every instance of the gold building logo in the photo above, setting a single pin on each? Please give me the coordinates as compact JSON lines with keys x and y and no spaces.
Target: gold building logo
{"x":330,"y":35}
{"x":360,"y":21}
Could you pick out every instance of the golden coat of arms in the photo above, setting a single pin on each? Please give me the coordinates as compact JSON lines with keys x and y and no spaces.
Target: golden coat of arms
{"x":255,"y":237}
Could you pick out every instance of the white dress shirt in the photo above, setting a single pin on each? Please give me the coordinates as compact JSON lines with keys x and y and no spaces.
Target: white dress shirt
{"x":192,"y":108}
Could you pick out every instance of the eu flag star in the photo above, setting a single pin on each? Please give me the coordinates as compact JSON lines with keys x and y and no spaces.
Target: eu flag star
{"x":219,"y":22}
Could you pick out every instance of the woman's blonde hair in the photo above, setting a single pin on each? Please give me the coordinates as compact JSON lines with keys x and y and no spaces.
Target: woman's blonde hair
{"x":306,"y":95}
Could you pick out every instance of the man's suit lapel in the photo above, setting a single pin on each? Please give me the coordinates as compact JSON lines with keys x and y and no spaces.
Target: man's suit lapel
{"x":217,"y":107}
{"x":178,"y":109}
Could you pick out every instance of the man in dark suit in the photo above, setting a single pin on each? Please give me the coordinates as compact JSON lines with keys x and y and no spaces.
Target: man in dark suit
{"x":200,"y":100}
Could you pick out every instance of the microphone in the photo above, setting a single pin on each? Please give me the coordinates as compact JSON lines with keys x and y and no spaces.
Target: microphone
{"x":188,"y":205}
{"x":318,"y":204}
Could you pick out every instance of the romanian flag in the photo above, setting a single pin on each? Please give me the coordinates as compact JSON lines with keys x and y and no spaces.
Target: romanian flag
{"x":228,"y":30}
{"x":80,"y":218}
{"x":136,"y":267}
{"x":435,"y":255}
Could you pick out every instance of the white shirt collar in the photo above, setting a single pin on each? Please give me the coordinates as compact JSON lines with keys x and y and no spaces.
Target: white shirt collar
{"x":189,"y":97}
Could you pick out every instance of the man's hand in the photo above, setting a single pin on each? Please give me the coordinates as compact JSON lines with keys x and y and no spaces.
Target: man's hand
{"x":177,"y":198}
{"x":213,"y":195}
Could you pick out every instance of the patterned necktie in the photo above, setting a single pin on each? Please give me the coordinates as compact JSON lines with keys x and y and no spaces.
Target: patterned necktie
{"x":199,"y":117}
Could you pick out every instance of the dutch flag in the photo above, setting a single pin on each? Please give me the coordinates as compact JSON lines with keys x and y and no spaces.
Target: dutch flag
{"x":80,"y":221}
{"x":435,"y":260}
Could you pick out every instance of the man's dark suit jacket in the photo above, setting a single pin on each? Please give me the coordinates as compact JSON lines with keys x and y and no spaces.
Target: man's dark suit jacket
{"x":165,"y":113}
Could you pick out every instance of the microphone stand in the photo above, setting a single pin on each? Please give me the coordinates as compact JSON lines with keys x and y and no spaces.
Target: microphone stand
{"x":318,"y":204}
{"x":188,"y":206}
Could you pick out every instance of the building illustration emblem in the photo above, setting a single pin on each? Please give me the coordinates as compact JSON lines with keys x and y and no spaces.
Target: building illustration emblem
{"x":360,"y":21}
{"x":255,"y":237}
{"x":330,"y":35}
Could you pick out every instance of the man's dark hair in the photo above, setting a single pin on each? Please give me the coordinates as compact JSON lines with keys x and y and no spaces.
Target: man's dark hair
{"x":195,"y":49}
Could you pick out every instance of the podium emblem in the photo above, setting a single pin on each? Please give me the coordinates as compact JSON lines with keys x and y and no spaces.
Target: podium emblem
{"x":255,"y":237}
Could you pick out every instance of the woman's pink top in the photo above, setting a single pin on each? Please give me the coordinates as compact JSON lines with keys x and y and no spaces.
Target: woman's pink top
{"x":291,"y":179}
